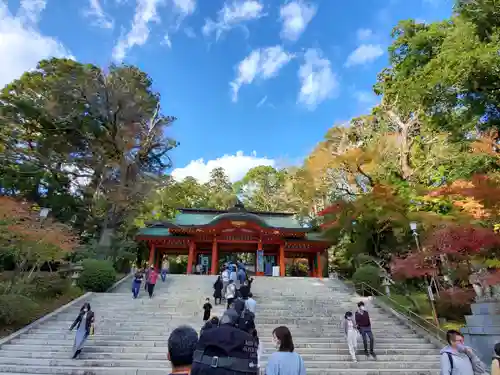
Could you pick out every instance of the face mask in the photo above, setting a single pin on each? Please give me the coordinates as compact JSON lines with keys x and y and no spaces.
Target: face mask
{"x":460,"y":347}
{"x":277,"y":343}
{"x":349,"y":317}
{"x":362,"y":308}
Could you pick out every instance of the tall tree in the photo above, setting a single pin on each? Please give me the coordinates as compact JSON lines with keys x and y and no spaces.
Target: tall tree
{"x":75,"y":122}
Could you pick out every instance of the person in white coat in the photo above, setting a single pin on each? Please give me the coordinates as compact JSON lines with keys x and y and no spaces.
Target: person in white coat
{"x":351,"y":335}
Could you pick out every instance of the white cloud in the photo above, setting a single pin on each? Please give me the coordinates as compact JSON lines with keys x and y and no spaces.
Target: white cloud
{"x":167,"y":41}
{"x":262,"y":101}
{"x":364,"y":34}
{"x":233,"y":14}
{"x":185,"y":7}
{"x":318,"y":82}
{"x":30,"y":10}
{"x":262,"y":63}
{"x":364,"y":54}
{"x":236,"y":166}
{"x":295,"y":16}
{"x":21,"y":44}
{"x":146,"y":12}
{"x":99,"y":17}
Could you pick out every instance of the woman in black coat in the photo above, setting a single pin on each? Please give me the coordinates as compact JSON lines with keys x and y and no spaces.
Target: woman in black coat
{"x":84,"y":324}
{"x":218,"y":285}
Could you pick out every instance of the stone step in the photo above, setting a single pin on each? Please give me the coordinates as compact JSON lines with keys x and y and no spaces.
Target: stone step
{"x":163,"y":335}
{"x":112,"y":341}
{"x":137,"y":350}
{"x":13,"y":370}
{"x":163,"y":356}
{"x":127,"y":347}
{"x":166,"y":365}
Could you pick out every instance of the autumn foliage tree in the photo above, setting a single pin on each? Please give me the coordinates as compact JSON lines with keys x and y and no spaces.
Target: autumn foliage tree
{"x":450,"y":250}
{"x":27,"y":240}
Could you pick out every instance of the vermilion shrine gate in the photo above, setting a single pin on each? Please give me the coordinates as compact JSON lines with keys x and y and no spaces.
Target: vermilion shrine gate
{"x":198,"y":232}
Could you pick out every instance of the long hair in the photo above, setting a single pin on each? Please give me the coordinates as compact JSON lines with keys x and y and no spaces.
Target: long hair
{"x":283,"y":334}
{"x":85,"y":305}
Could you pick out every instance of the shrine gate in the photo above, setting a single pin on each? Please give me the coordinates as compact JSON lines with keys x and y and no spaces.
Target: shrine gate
{"x":272,"y":236}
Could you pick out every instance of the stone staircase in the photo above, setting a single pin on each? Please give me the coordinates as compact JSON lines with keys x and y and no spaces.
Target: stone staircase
{"x":314,"y":309}
{"x":131,"y":335}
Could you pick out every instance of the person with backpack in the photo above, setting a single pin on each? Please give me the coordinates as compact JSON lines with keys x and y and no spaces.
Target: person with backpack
{"x":495,"y":362}
{"x":458,"y":359}
{"x":227,"y":349}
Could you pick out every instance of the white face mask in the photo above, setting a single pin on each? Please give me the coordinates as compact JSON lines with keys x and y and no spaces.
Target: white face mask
{"x":276,"y":343}
{"x":362,"y":308}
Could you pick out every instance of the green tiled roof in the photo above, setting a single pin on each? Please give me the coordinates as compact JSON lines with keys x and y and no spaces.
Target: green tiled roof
{"x":184,"y":218}
{"x":315,"y":236}
{"x":159,"y":232}
{"x":202,"y":218}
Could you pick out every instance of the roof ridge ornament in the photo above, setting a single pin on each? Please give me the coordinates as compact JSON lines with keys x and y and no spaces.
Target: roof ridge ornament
{"x":238,"y":206}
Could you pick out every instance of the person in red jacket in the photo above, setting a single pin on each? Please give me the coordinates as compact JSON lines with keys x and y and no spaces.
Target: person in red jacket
{"x":364,"y":326}
{"x":153,"y":276}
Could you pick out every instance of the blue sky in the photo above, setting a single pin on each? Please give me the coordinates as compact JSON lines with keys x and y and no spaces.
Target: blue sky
{"x":251,"y":81}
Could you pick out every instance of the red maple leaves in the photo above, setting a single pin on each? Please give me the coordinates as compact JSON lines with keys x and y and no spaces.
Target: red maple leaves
{"x":458,"y":243}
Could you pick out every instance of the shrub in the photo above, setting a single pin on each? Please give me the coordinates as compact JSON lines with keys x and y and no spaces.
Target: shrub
{"x":49,"y":285}
{"x":369,"y":275}
{"x":297,"y":269}
{"x":16,"y":309}
{"x":97,"y":275}
{"x":454,"y":303}
{"x":178,"y":266}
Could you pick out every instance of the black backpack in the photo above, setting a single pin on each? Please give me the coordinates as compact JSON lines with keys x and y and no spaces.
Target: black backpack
{"x":226,"y":348}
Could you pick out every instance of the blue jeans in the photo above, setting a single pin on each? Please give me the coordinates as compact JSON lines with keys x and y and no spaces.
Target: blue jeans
{"x":163,"y":275}
{"x":367,"y":332}
{"x":135,"y":289}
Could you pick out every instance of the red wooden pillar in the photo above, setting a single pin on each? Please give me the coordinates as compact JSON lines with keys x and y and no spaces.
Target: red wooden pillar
{"x":151,"y":255}
{"x":215,"y":258}
{"x":190,"y":257}
{"x":282,"y":260}
{"x":319,"y":272}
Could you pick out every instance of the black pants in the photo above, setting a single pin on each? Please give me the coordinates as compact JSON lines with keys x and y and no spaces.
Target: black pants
{"x":367,"y":332}
{"x":151,"y":288}
{"x":229,"y":302}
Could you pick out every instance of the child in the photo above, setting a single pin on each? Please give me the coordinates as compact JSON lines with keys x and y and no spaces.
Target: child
{"x":207,"y":307}
{"x":351,"y":335}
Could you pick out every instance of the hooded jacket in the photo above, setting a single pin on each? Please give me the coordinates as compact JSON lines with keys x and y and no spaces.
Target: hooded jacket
{"x":463,"y":364}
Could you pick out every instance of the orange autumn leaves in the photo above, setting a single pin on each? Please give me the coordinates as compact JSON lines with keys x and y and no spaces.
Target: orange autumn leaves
{"x":19,"y":222}
{"x":478,"y":197}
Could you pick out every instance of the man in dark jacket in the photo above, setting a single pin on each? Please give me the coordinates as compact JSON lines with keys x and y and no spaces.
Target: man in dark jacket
{"x":226,"y":350}
{"x":365,"y":328}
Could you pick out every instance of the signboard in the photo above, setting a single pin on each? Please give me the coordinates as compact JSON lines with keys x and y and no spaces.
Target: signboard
{"x":204,"y":260}
{"x":260,"y":261}
{"x":238,"y":223}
